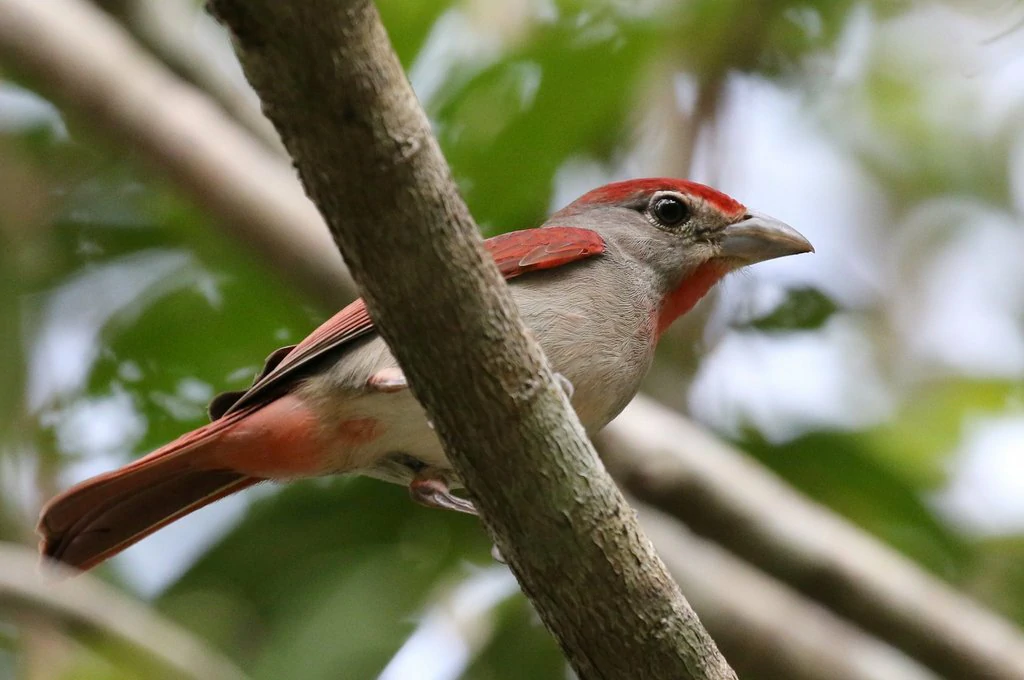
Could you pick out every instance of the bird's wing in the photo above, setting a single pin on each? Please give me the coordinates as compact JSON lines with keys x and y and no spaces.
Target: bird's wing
{"x":516,"y":253}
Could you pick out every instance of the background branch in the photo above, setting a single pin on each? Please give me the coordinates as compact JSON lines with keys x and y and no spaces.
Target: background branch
{"x":675,"y":466}
{"x":86,"y":62}
{"x":766,"y":629}
{"x":334,"y":88}
{"x":84,"y":603}
{"x":168,"y":29}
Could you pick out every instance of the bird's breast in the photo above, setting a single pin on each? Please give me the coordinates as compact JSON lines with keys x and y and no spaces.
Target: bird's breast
{"x":602,"y":343}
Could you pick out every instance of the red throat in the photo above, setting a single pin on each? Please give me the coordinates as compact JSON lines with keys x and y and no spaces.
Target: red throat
{"x":689,"y":292}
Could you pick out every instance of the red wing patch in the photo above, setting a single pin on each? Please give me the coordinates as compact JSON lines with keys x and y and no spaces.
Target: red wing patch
{"x":515,"y":253}
{"x":350,"y":323}
{"x":519,"y":252}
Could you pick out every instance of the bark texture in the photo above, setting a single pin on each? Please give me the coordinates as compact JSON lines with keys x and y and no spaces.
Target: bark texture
{"x":334,"y":88}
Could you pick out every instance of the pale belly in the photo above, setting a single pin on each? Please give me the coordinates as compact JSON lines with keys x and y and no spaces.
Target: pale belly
{"x":407,"y":444}
{"x":604,"y":364}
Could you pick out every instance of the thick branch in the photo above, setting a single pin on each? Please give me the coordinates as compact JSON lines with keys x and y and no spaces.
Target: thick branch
{"x":85,"y":61}
{"x":86,"y":603}
{"x":718,"y":492}
{"x":343,"y":107}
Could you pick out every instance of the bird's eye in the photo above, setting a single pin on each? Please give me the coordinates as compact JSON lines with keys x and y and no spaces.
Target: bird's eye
{"x":670,"y":211}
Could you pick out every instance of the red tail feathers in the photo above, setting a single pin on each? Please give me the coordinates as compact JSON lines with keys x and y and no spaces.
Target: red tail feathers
{"x":104,"y":515}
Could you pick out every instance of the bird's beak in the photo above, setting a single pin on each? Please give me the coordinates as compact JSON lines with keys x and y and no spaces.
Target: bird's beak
{"x":757,"y":238}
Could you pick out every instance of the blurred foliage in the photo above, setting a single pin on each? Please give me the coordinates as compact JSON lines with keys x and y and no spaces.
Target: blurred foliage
{"x":123,"y":309}
{"x":409,"y":22}
{"x":503,"y":657}
{"x":804,"y":309}
{"x":515,"y":114}
{"x":839,"y":472}
{"x":321,"y":563}
{"x":997,"y":577}
{"x":916,"y":443}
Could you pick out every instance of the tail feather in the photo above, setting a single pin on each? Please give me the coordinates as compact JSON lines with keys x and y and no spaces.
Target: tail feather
{"x":102,"y":516}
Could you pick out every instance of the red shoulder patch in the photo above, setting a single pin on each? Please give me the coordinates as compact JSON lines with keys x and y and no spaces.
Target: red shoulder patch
{"x":519,"y":252}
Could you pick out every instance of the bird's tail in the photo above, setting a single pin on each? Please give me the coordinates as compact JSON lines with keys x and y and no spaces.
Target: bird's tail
{"x":102,"y":516}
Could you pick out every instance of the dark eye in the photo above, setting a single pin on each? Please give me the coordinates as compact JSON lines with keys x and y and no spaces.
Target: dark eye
{"x":670,"y":211}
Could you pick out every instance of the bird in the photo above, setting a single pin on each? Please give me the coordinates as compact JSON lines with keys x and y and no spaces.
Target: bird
{"x":597,"y":283}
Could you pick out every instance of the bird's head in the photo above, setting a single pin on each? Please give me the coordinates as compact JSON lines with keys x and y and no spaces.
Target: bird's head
{"x":684,"y":235}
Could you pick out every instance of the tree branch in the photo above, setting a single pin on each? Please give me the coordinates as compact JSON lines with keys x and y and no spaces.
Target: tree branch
{"x":169,"y":30}
{"x":332,"y":85}
{"x":766,"y":629}
{"x":85,"y":61}
{"x":86,"y":602}
{"x":673,"y":465}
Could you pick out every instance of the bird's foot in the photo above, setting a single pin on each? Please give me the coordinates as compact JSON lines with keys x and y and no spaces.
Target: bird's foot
{"x":430,"y":488}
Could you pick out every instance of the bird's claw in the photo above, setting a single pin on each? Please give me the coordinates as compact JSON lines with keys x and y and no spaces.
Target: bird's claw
{"x":431,"y":490}
{"x":566,"y":385}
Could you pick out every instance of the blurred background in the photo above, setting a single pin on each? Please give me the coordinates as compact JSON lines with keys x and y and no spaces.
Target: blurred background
{"x":882,"y":377}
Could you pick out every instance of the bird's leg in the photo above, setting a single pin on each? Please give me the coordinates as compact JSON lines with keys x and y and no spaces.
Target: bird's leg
{"x":388,"y":380}
{"x":429,"y":487}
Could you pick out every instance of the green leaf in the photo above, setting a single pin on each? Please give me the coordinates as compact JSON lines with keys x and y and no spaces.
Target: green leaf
{"x":802,"y":309}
